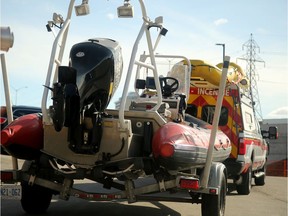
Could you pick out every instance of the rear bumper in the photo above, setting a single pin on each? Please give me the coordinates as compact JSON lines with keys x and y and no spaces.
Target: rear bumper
{"x":234,"y":167}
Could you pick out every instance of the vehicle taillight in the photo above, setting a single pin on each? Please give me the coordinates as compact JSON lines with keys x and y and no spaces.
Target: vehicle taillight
{"x":3,"y":120}
{"x":167,"y":150}
{"x":242,"y":147}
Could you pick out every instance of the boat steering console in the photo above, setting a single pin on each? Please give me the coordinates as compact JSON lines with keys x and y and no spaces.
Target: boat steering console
{"x":169,"y":85}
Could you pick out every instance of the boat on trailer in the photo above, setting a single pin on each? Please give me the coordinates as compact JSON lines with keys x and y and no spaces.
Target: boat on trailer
{"x":80,"y":138}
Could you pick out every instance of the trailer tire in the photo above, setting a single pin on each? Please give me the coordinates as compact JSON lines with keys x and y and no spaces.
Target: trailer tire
{"x":35,"y":199}
{"x":214,"y":205}
{"x":245,"y":187}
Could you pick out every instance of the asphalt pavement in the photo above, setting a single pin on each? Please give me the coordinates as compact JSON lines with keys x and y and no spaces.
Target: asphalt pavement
{"x":270,"y":199}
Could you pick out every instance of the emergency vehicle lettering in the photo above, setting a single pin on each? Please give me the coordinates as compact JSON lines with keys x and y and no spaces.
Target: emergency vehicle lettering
{"x":201,"y":97}
{"x":207,"y":91}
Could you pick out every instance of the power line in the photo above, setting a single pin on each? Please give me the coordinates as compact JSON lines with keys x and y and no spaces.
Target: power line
{"x":274,"y":53}
{"x":251,"y":59}
{"x":274,"y":82}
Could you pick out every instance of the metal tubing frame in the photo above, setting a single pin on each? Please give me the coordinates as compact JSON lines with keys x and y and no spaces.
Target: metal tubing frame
{"x":8,"y":101}
{"x":187,"y":79}
{"x":144,"y":28}
{"x":128,"y":76}
{"x":61,"y":35}
{"x":221,"y":92}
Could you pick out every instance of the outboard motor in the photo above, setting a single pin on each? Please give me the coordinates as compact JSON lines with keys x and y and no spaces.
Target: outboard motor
{"x":84,"y":90}
{"x":98,"y":63}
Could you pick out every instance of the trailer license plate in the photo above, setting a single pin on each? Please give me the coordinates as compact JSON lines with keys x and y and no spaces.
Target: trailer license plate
{"x":11,"y":192}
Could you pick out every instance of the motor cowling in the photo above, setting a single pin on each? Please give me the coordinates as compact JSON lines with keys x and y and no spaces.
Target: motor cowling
{"x":99,"y":65}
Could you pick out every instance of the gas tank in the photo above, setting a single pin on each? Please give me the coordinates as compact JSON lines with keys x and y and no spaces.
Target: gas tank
{"x":99,"y":65}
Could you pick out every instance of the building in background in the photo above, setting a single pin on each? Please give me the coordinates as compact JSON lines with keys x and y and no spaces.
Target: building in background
{"x":277,"y":159}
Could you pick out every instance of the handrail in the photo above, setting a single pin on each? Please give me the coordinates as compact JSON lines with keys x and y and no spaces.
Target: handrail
{"x":129,"y":74}
{"x":53,"y":60}
{"x":187,"y":74}
{"x":7,"y":41}
{"x":144,"y":28}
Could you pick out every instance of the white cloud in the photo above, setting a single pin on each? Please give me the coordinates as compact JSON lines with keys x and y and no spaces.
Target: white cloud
{"x":262,"y":31}
{"x":220,"y":21}
{"x":279,"y":113}
{"x":110,"y":16}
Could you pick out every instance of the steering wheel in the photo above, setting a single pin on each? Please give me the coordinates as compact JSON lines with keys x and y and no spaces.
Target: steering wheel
{"x":168,"y":85}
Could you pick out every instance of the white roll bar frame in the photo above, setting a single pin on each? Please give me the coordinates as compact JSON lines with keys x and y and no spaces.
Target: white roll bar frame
{"x":58,"y":61}
{"x":58,"y":43}
{"x":151,"y":49}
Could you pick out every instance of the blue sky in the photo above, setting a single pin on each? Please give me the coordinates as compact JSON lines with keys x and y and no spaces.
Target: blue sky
{"x":194,"y":27}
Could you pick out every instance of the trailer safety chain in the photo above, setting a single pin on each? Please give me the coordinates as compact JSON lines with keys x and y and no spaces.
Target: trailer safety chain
{"x":162,"y":186}
{"x":129,"y":188}
{"x":31,"y":180}
{"x":65,"y":192}
{"x":55,"y":167}
{"x":119,"y":172}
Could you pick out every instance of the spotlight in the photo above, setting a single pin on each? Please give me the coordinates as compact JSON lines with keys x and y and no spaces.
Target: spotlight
{"x":7,"y":38}
{"x":125,"y":11}
{"x":57,"y":18}
{"x":82,"y":9}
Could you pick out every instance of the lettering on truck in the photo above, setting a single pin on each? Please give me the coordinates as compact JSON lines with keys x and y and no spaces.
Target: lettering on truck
{"x":207,"y":91}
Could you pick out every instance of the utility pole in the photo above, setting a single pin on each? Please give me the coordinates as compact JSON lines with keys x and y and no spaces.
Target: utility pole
{"x":251,"y":58}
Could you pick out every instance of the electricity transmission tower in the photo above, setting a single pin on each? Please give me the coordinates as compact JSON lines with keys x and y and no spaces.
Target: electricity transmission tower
{"x":252,"y":58}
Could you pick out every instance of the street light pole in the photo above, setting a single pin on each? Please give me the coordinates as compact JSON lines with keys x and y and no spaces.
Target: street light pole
{"x":170,"y":60}
{"x":223,"y":46}
{"x":16,"y":92}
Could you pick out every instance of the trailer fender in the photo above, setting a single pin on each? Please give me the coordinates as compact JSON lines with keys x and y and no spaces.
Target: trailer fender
{"x":216,"y":172}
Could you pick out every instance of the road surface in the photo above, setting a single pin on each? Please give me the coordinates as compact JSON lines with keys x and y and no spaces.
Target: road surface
{"x":270,"y":199}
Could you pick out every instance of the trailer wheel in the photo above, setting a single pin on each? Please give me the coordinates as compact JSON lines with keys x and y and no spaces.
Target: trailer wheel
{"x":245,"y":187}
{"x":214,"y":205}
{"x":35,"y":199}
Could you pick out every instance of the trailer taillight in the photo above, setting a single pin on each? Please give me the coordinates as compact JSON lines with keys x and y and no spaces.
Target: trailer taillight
{"x":6,"y":176}
{"x":242,"y":147}
{"x":213,"y":191}
{"x":190,"y":183}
